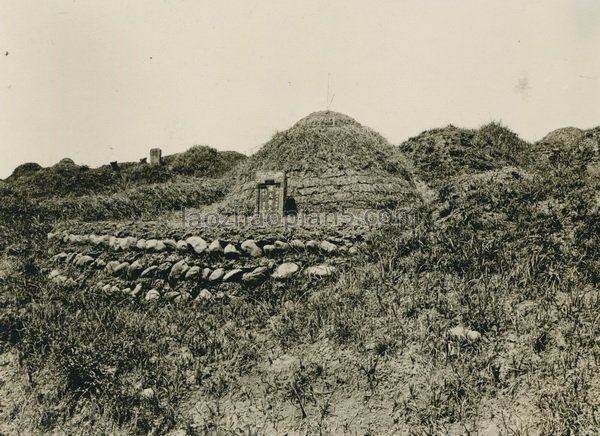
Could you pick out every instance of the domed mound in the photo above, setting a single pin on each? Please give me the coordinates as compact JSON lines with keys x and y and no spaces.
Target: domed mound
{"x":332,"y":162}
{"x":203,"y":161}
{"x":25,"y":169}
{"x":440,"y":154}
{"x":568,"y":136}
{"x":569,"y":146}
{"x":65,"y":162}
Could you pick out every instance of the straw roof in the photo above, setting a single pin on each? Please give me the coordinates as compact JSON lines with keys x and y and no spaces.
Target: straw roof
{"x":332,"y":163}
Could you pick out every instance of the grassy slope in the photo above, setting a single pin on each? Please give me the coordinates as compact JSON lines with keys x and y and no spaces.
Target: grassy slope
{"x":440,"y":154}
{"x":510,"y":254}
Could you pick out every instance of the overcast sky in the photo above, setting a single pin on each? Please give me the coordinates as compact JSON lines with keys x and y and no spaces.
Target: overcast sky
{"x":107,"y":80}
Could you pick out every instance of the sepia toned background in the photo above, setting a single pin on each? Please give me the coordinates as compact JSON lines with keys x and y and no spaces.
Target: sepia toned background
{"x":102,"y":81}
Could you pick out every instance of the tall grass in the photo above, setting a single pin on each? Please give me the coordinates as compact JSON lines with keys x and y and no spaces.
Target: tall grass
{"x":144,"y":202}
{"x":370,"y":351}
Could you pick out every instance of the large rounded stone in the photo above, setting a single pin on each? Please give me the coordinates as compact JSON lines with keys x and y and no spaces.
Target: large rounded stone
{"x":114,"y":243}
{"x":462,"y":333}
{"x":147,"y":394}
{"x":120,"y":269}
{"x":178,"y":270}
{"x":204,"y":294}
{"x":110,"y":266}
{"x":320,"y":270}
{"x":75,"y":239}
{"x":182,"y":246}
{"x":95,"y":239}
{"x":215,"y":247}
{"x":84,"y":261}
{"x":231,"y":252}
{"x":126,"y":243}
{"x":216,"y":275}
{"x":285,"y":271}
{"x":251,"y":248}
{"x":197,"y":243}
{"x":135,"y":269}
{"x":152,"y":294}
{"x":257,"y":276}
{"x":312,"y":245}
{"x":160,"y":247}
{"x":328,"y":247}
{"x":233,"y":276}
{"x":193,"y":273}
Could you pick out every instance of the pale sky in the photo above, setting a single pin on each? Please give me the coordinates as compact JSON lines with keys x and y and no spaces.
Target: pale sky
{"x":108,"y":80}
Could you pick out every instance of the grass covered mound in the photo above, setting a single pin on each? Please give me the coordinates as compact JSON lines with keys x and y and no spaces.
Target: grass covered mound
{"x":25,"y":169}
{"x":506,"y":253}
{"x":71,"y":180}
{"x":135,"y":190}
{"x":439,"y":154}
{"x":566,"y":136}
{"x":203,"y":161}
{"x":560,"y":144}
{"x":373,"y":350}
{"x":332,"y":162}
{"x":67,"y":179}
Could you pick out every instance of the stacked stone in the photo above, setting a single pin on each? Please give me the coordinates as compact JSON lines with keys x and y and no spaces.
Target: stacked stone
{"x":171,"y":269}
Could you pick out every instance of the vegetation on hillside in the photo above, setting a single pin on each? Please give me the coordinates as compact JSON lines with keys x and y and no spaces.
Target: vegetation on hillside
{"x":66,"y":179}
{"x":507,"y":249}
{"x":203,"y":161}
{"x":451,"y":151}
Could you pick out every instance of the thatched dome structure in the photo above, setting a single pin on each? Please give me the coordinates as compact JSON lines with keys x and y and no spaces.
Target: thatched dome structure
{"x":332,"y":162}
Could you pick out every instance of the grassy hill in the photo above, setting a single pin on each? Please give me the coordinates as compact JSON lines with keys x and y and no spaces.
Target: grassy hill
{"x":68,"y":179}
{"x":480,"y":317}
{"x":439,"y":154}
